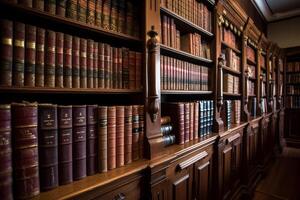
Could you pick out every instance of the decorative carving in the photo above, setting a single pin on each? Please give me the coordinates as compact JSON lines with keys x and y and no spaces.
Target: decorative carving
{"x":221,"y":64}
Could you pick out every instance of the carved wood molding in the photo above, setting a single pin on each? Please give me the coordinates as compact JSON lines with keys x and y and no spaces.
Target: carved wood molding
{"x":192,"y":160}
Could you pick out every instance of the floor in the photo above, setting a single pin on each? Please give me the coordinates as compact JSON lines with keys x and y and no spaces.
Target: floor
{"x":283,"y":179}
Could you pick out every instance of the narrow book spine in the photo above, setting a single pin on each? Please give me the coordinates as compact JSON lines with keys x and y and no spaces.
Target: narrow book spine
{"x":75,"y":62}
{"x":132,"y":70}
{"x":91,"y":12}
{"x":106,"y":14}
{"x":102,"y":138}
{"x":83,"y":67}
{"x":138,"y":70}
{"x":71,"y":11}
{"x":67,"y":61}
{"x":40,"y":57}
{"x":91,"y":137}
{"x":120,"y":131}
{"x":50,"y":59}
{"x":135,"y":132}
{"x":128,"y":135}
{"x":82,"y":11}
{"x":59,"y":60}
{"x":101,"y":64}
{"x":115,"y":67}
{"x":122,"y":16}
{"x":95,"y":65}
{"x":129,"y":18}
{"x":111,"y":137}
{"x":141,"y":131}
{"x":98,"y":13}
{"x":61,"y":7}
{"x":90,"y":63}
{"x":19,"y":54}
{"x":114,"y":15}
{"x":119,"y":71}
{"x":107,"y":65}
{"x":50,"y":6}
{"x":125,"y":68}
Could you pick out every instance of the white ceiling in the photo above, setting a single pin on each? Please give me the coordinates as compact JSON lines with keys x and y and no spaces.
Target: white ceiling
{"x":273,"y":10}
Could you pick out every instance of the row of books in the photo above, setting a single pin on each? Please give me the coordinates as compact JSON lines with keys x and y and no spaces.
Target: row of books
{"x":233,"y":61}
{"x":115,"y":15}
{"x":293,"y":89}
{"x":293,"y":102}
{"x":250,"y":54}
{"x":264,"y":105}
{"x":262,"y":61}
{"x":192,"y":10}
{"x":251,"y":88}
{"x":252,"y":106}
{"x":293,"y":78}
{"x":35,"y":57}
{"x":190,"y":120}
{"x":231,"y":113}
{"x":251,"y":71}
{"x":230,"y":38}
{"x":293,"y":67}
{"x":181,"y":75}
{"x":231,"y":84}
{"x":166,"y":130}
{"x":54,"y":144}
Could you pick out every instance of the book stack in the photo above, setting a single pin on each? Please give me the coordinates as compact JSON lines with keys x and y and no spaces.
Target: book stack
{"x":181,"y":75}
{"x":114,"y":15}
{"x":250,"y":54}
{"x":229,"y":38}
{"x":233,"y":61}
{"x":231,"y":84}
{"x":193,"y":10}
{"x":60,"y":144}
{"x":166,"y":130}
{"x":231,"y":113}
{"x":36,"y":57}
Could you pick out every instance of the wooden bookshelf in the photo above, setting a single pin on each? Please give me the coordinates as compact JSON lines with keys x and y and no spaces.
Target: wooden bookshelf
{"x":231,"y":71}
{"x":251,"y":62}
{"x":233,"y":48}
{"x":178,"y":92}
{"x":227,"y":94}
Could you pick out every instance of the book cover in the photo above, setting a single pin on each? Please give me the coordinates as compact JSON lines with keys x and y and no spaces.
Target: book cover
{"x":40,"y":57}
{"x":120,"y":134}
{"x":91,"y":144}
{"x":90,"y":63}
{"x":18,"y":54}
{"x":102,"y":138}
{"x":59,"y":59}
{"x":67,"y":61}
{"x":128,"y":135}
{"x":111,"y":137}
{"x":83,"y":63}
{"x":50,"y":58}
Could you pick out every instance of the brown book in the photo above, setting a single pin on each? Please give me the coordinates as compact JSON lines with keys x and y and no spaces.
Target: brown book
{"x":107,"y":66}
{"x":27,"y":3}
{"x":79,"y":141}
{"x":65,"y":159}
{"x":82,"y":10}
{"x":90,"y":63}
{"x":38,"y":4}
{"x":192,"y":122}
{"x":101,"y":64}
{"x":6,"y":52}
{"x":102,"y":138}
{"x":129,"y":18}
{"x":48,"y":146}
{"x":91,"y":6}
{"x":114,"y":15}
{"x":106,"y":6}
{"x":61,"y":7}
{"x":71,"y":11}
{"x":186,"y":122}
{"x":196,"y":115}
{"x":110,"y":67}
{"x":50,"y":6}
{"x":5,"y":153}
{"x":132,"y":70}
{"x":120,"y":69}
{"x":25,"y":148}
{"x":19,"y":54}
{"x":141,"y":131}
{"x":91,"y":137}
{"x":40,"y":57}
{"x":59,"y":60}
{"x":138,"y":70}
{"x":128,"y":135}
{"x":95,"y":65}
{"x":98,"y":13}
{"x":121,"y":16}
{"x":75,"y":62}
{"x":125,"y":68}
{"x":135,"y":132}
{"x":83,"y":63}
{"x":164,"y":29}
{"x":120,"y":133}
{"x":67,"y":61}
{"x":115,"y":67}
{"x":111,"y":137}
{"x":50,"y":59}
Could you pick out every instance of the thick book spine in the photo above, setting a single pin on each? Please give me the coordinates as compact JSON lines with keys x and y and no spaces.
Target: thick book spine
{"x":50,"y":59}
{"x":82,"y":11}
{"x":135,"y":132}
{"x":25,"y":148}
{"x":67,"y":61}
{"x":59,"y":60}
{"x":95,"y":65}
{"x":128,"y":135}
{"x":122,"y":16}
{"x":65,"y":160}
{"x":50,"y":6}
{"x":125,"y":68}
{"x":120,"y":131}
{"x":91,"y":137}
{"x":79,"y":141}
{"x":138,"y":70}
{"x":111,"y":137}
{"x":75,"y":62}
{"x":141,"y":131}
{"x":106,"y":14}
{"x":48,"y":146}
{"x":40,"y":57}
{"x":38,"y":4}
{"x":71,"y":11}
{"x":61,"y":7}
{"x":129,"y":18}
{"x":119,"y":71}
{"x":196,"y":115}
{"x":91,"y":12}
{"x":101,"y":64}
{"x":102,"y":138}
{"x":5,"y":153}
{"x":192,"y":122}
{"x":186,"y":122}
{"x":98,"y":13}
{"x":115,"y":68}
{"x":19,"y":54}
{"x":114,"y":15}
{"x":27,"y":3}
{"x":107,"y":65}
{"x":6,"y":52}
{"x":90,"y":63}
{"x":132,"y":70}
{"x":83,"y":68}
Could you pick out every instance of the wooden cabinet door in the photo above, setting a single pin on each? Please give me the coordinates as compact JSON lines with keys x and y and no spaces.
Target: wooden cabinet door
{"x":253,"y":146}
{"x":159,"y":191}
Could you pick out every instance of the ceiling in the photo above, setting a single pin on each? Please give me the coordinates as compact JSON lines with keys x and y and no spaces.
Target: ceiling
{"x":273,"y":10}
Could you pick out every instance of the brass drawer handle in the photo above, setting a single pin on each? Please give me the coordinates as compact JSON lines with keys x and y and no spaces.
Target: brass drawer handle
{"x":192,"y":160}
{"x":234,"y":137}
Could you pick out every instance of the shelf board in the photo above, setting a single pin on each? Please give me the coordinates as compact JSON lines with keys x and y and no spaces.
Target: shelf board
{"x":231,"y":47}
{"x":185,"y":92}
{"x":231,"y":94}
{"x":184,"y":23}
{"x":251,"y":62}
{"x":45,"y":90}
{"x":165,"y":50}
{"x":231,"y":71}
{"x":58,"y":20}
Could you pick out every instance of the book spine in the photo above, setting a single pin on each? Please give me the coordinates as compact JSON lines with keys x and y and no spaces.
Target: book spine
{"x":186,"y":122}
{"x":50,"y":59}
{"x":27,"y":3}
{"x":120,"y":131}
{"x":19,"y":54}
{"x":59,"y":59}
{"x":132,"y":70}
{"x":98,"y":13}
{"x":115,"y":67}
{"x":120,"y":69}
{"x":90,"y":63}
{"x":192,"y":122}
{"x":91,"y":12}
{"x":102,"y":138}
{"x":128,"y":135}
{"x":82,"y":10}
{"x":138,"y":70}
{"x":196,"y":127}
{"x":40,"y":57}
{"x":67,"y":61}
{"x":111,"y":137}
{"x":125,"y":68}
{"x":129,"y":18}
{"x":61,"y":7}
{"x":76,"y":62}
{"x":5,"y":153}
{"x":38,"y":4}
{"x":6,"y":52}
{"x":135,"y":132}
{"x":122,"y":16}
{"x":65,"y":160}
{"x":92,"y":116}
{"x":71,"y":11}
{"x":107,"y":66}
{"x":106,"y":14}
{"x":101,"y":64}
{"x":181,"y":124}
{"x":48,"y":146}
{"x":83,"y":63}
{"x":25,"y":148}
{"x":95,"y":65}
{"x":141,"y":132}
{"x":114,"y":15}
{"x":50,"y":6}
{"x":79,"y":142}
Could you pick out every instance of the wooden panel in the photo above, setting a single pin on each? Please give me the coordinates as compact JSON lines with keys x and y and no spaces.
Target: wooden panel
{"x":203,"y":181}
{"x":159,"y":191}
{"x":181,"y":188}
{"x":227,"y":156}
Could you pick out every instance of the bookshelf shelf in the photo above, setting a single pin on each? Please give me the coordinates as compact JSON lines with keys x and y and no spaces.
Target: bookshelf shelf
{"x":231,"y":47}
{"x":186,"y":24}
{"x":251,"y":62}
{"x":231,"y":71}
{"x":175,"y":92}
{"x":231,"y":94}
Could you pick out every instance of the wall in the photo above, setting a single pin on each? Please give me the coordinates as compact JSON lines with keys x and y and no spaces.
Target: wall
{"x":286,"y":33}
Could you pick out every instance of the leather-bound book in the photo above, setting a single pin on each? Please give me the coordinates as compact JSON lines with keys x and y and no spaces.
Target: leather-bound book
{"x":107,"y":65}
{"x":141,"y":131}
{"x":65,"y":159}
{"x":129,"y":18}
{"x":75,"y":62}
{"x":120,"y":69}
{"x":27,"y":3}
{"x":106,"y":6}
{"x":128,"y":135}
{"x":111,"y":137}
{"x":82,"y":11}
{"x":91,"y":137}
{"x":83,"y":68}
{"x":196,"y":118}
{"x":191,"y":134}
{"x":95,"y":65}
{"x":38,"y":4}
{"x":121,"y":16}
{"x":5,"y":153}
{"x":114,"y":15}
{"x":18,"y":54}
{"x":25,"y":148}
{"x":138,"y":70}
{"x":98,"y":13}
{"x":102,"y":138}
{"x":132,"y":70}
{"x":101,"y":64}
{"x":135,"y":132}
{"x":115,"y":67}
{"x":59,"y":60}
{"x":79,"y":141}
{"x":120,"y":133}
{"x":186,"y":122}
{"x":67,"y":61}
{"x":90,"y":63}
{"x":50,"y":59}
{"x":91,"y":12}
{"x":48,"y":146}
{"x":50,"y":6}
{"x":71,"y":11}
{"x":125,"y":68}
{"x":6,"y":52}
{"x":40,"y":57}
{"x":61,"y":7}
{"x":110,"y":67}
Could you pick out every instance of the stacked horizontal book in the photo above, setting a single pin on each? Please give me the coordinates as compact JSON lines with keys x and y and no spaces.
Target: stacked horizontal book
{"x":166,"y":130}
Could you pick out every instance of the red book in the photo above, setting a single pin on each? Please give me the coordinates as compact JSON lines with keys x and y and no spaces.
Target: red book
{"x":102,"y":138}
{"x":196,"y":113}
{"x":83,"y":63}
{"x":27,"y":3}
{"x":79,"y":141}
{"x":120,"y":132}
{"x":91,"y":144}
{"x":141,"y":131}
{"x":48,"y":146}
{"x":98,"y":13}
{"x":50,"y":6}
{"x":25,"y":148}
{"x":75,"y":62}
{"x":38,"y":4}
{"x":128,"y":135}
{"x":61,"y":8}
{"x":5,"y":153}
{"x":50,"y":59}
{"x":19,"y":54}
{"x":106,"y":14}
{"x":90,"y":63}
{"x":138,"y":70}
{"x":132,"y":70}
{"x":91,"y":6}
{"x":111,"y":137}
{"x":120,"y":69}
{"x":6,"y":52}
{"x":191,"y":134}
{"x":82,"y":11}
{"x":40,"y":57}
{"x":101,"y":64}
{"x":135,"y":132}
{"x":107,"y":65}
{"x":95,"y":65}
{"x":186,"y":122}
{"x":125,"y":68}
{"x":115,"y":67}
{"x":59,"y":60}
{"x":67,"y":61}
{"x":65,"y":159}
